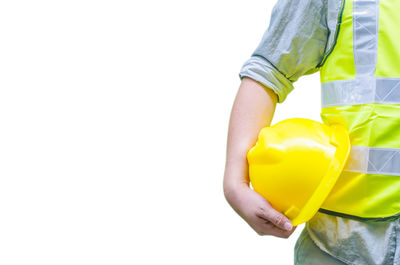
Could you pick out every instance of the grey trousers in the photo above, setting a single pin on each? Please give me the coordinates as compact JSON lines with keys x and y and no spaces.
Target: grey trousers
{"x":330,"y":240}
{"x":306,"y":252}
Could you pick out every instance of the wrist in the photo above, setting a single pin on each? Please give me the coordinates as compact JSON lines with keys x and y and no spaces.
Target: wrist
{"x":233,"y":189}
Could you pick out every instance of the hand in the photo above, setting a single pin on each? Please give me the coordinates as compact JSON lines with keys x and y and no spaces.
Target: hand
{"x":258,"y":212}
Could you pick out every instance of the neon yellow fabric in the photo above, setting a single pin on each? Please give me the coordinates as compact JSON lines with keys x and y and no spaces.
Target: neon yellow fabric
{"x":371,"y":125}
{"x":366,"y":195}
{"x":388,"y":57}
{"x":362,"y":195}
{"x":340,"y":64}
{"x":374,"y":124}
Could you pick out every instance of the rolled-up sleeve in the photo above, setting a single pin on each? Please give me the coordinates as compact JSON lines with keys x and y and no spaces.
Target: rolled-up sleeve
{"x":293,"y":45}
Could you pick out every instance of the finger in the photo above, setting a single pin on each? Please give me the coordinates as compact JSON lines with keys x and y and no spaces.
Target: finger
{"x":275,"y":217}
{"x":271,"y":229}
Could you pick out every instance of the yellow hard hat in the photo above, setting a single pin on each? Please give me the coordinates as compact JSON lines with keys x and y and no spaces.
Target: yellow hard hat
{"x":295,"y":164}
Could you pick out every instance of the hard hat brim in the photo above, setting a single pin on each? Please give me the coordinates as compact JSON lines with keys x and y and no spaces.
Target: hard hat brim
{"x":341,"y":141}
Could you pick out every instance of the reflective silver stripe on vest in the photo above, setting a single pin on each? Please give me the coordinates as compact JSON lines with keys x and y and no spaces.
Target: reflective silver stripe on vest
{"x":365,"y":88}
{"x":374,"y":160}
{"x":365,"y":36}
{"x":361,"y":91}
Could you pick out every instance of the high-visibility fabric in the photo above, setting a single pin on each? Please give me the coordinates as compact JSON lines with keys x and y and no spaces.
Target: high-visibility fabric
{"x":374,"y":160}
{"x":389,"y":39}
{"x":364,"y":96}
{"x":361,"y":91}
{"x":340,"y":64}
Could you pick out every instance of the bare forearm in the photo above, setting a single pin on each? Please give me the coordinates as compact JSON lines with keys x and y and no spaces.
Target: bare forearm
{"x":252,"y":110}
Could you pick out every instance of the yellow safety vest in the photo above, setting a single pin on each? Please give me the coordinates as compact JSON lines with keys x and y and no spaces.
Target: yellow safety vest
{"x":360,"y":88}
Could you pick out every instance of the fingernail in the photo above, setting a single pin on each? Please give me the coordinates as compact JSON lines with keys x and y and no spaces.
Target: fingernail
{"x":288,"y":226}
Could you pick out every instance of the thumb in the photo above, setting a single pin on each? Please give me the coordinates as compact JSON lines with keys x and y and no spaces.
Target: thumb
{"x":277,"y":218}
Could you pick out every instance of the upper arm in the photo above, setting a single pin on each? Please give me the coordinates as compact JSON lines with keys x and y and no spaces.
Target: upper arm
{"x":293,"y":45}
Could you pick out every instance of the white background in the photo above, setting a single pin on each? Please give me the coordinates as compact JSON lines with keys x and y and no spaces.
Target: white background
{"x":113,"y":125}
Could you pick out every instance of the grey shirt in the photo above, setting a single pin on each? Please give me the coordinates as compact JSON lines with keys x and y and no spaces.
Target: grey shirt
{"x":301,"y":34}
